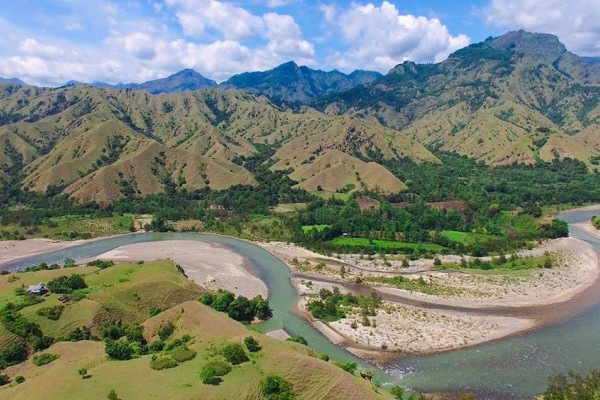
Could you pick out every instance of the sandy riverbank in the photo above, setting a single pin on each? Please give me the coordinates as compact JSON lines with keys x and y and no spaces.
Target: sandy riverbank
{"x":473,"y":308}
{"x":14,"y":249}
{"x":208,"y":264}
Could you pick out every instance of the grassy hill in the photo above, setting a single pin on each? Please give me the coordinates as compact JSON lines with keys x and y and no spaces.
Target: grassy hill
{"x":101,"y":144}
{"x":521,"y":97}
{"x":126,"y":292}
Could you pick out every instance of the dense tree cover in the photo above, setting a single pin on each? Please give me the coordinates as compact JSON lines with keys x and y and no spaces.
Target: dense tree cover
{"x":565,"y":181}
{"x":573,"y":386}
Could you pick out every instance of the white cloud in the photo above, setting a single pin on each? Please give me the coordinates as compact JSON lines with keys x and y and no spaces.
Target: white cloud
{"x":576,"y":23}
{"x":380,"y":37}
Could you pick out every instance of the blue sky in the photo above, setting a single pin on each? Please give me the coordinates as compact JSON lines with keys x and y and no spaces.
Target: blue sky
{"x":51,"y":41}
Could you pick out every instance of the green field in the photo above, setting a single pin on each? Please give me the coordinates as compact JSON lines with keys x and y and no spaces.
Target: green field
{"x":506,"y":265}
{"x":319,"y":228}
{"x":378,"y":244}
{"x":523,"y":224}
{"x":468,"y":238}
{"x":69,"y":228}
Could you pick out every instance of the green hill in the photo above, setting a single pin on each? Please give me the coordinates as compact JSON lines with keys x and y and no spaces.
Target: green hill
{"x":126,"y":293}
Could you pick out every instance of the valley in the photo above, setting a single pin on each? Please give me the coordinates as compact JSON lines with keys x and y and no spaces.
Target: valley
{"x":400,"y":218}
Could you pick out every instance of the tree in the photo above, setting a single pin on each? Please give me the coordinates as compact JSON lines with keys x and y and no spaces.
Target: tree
{"x":235,"y":354}
{"x":112,"y":395}
{"x":83,"y":373}
{"x":207,"y":298}
{"x":573,"y":386}
{"x":252,"y":344}
{"x":208,"y":375}
{"x":118,"y":349}
{"x":262,"y":310}
{"x":222,"y":300}
{"x":275,"y":387}
{"x":241,"y":309}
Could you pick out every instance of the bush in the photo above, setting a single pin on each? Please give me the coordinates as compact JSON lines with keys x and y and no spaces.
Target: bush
{"x":348,"y":367}
{"x":159,"y":363}
{"x":118,"y":350}
{"x":275,"y":387}
{"x":44,"y":358}
{"x":241,"y":309}
{"x":574,"y":385}
{"x":397,"y":392}
{"x":208,"y":376}
{"x":166,"y":331}
{"x":102,"y":264}
{"x":78,"y":334}
{"x":153,"y":312}
{"x":66,"y":284}
{"x":4,"y":379}
{"x":53,"y":313}
{"x":207,"y":298}
{"x":156,"y":346}
{"x":13,"y":354}
{"x":222,"y":301}
{"x":251,"y":344}
{"x":297,"y":339}
{"x":235,"y":354}
{"x":221,"y":367}
{"x":19,"y":379}
{"x":183,"y":354}
{"x":323,"y":357}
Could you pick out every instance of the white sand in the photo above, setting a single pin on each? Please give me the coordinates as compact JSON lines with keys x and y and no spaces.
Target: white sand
{"x":209,"y":265}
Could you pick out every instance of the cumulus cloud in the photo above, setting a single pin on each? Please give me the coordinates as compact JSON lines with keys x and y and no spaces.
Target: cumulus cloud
{"x":380,"y":37}
{"x":576,"y":23}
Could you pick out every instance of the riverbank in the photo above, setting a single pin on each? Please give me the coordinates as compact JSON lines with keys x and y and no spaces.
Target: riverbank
{"x":469,"y":308}
{"x":210,"y":265}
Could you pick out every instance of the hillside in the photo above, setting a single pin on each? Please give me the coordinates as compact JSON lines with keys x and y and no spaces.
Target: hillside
{"x":520,"y":97}
{"x":100,"y":144}
{"x":290,"y":83}
{"x":113,"y":290}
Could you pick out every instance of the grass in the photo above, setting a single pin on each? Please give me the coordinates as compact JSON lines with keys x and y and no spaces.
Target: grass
{"x":468,"y":238}
{"x":523,"y":224}
{"x":69,"y":228}
{"x":329,"y":195}
{"x":319,"y":228}
{"x":378,"y":244}
{"x":133,"y":379}
{"x":506,"y":266}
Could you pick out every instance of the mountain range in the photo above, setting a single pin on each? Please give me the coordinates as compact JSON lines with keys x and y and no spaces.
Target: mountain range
{"x":521,"y":97}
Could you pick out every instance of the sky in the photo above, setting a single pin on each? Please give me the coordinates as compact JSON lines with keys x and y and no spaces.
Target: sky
{"x":49,"y":42}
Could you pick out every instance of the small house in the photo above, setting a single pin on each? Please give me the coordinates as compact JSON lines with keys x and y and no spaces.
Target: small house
{"x":39,"y":289}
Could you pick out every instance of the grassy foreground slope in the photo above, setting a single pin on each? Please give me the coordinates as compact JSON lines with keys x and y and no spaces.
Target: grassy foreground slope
{"x":126,"y":292}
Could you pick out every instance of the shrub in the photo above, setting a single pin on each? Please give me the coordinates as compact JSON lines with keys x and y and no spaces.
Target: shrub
{"x":221,"y":367}
{"x":19,"y":379}
{"x":166,"y":331}
{"x":397,"y":392}
{"x":275,"y":387}
{"x":241,"y":309}
{"x":102,"y":264}
{"x":297,"y":339}
{"x":183,"y":354}
{"x":118,"y":350}
{"x":222,"y":300}
{"x":156,"y":346}
{"x":159,"y":363}
{"x":66,"y":284}
{"x":324,"y":357}
{"x":208,"y":376}
{"x":82,"y":333}
{"x":44,"y":358}
{"x":348,"y":367}
{"x":251,"y":344}
{"x":207,"y":298}
{"x":4,"y":379}
{"x":235,"y":354}
{"x":153,"y":312}
{"x":53,"y":313}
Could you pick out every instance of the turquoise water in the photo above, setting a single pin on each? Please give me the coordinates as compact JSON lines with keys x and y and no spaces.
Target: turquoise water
{"x":512,"y":368}
{"x":516,"y":367}
{"x":276,"y":275}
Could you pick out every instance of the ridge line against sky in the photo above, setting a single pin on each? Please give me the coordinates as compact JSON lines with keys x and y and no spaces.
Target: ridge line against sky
{"x":50,"y":42}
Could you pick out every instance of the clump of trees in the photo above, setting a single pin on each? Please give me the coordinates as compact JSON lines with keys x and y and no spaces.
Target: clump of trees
{"x":66,"y":284}
{"x":239,"y":308}
{"x":275,"y":387}
{"x":332,"y":305}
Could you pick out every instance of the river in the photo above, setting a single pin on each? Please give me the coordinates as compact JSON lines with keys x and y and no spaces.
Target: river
{"x":511,"y":368}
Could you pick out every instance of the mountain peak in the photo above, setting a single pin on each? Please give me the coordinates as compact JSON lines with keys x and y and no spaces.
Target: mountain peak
{"x":538,"y":45}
